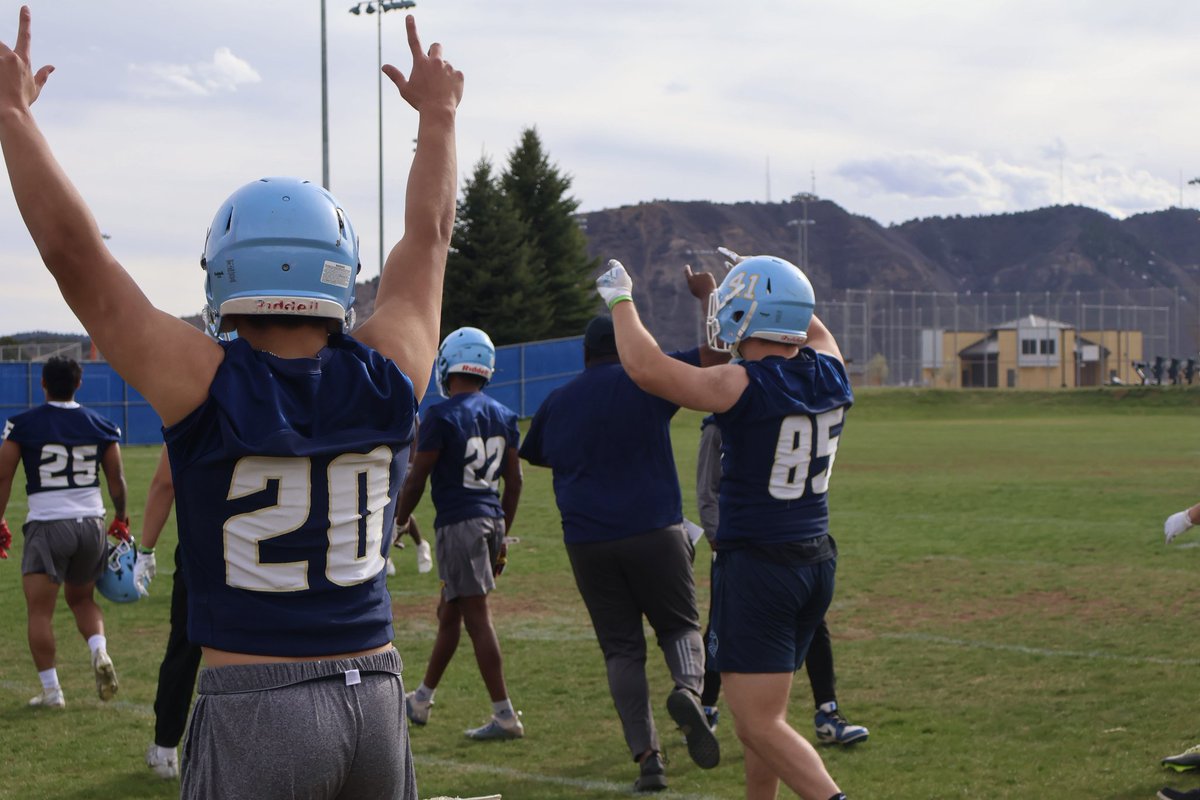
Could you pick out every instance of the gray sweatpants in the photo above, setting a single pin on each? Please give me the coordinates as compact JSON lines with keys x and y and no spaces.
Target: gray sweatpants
{"x":315,"y":730}
{"x":648,"y":574}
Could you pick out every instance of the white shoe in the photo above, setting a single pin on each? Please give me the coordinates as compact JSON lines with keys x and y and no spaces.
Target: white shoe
{"x":49,"y":698}
{"x":424,"y":557}
{"x":106,"y":676}
{"x":418,"y":712}
{"x":391,"y":568}
{"x":495,"y":729}
{"x":163,"y":760}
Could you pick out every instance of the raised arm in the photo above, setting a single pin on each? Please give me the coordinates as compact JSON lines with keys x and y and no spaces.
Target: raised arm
{"x":701,"y":388}
{"x":408,"y":306}
{"x":702,"y":285}
{"x":168,"y":361}
{"x":821,"y":340}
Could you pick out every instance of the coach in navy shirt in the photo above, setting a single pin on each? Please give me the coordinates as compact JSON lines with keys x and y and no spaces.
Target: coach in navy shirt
{"x":608,"y":444}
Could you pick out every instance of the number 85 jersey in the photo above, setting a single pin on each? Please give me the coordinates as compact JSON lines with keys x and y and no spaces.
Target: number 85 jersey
{"x":778,"y":446}
{"x":285,"y":487}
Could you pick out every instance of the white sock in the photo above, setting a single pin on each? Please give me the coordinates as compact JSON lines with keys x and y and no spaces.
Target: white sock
{"x":424,"y":693}
{"x":97,"y":642}
{"x":49,"y":678}
{"x":503,"y":709}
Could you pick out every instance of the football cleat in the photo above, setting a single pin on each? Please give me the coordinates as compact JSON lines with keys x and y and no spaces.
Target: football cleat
{"x":495,"y":729}
{"x":712,"y":715}
{"x":466,"y":350}
{"x":832,"y":727}
{"x":424,"y":557}
{"x":163,"y":760}
{"x":684,"y":708}
{"x":652,"y":776}
{"x":418,"y":711}
{"x":106,"y":675}
{"x":49,"y":698}
{"x":1188,"y":759}
{"x":1167,"y":793}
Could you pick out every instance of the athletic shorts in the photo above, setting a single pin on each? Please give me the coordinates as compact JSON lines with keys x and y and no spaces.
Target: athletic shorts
{"x":765,"y":610}
{"x":466,"y":555}
{"x":70,"y":550}
{"x":313,"y":729}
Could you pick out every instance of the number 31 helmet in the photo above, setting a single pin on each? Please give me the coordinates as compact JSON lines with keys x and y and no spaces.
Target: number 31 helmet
{"x":762,"y":297}
{"x":280,"y":246}
{"x":466,"y":350}
{"x":116,"y":582}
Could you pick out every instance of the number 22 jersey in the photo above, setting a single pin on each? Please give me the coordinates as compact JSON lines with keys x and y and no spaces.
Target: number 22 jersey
{"x":285,"y":487}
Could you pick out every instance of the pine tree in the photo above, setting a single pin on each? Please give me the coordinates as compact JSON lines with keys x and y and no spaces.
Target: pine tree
{"x":560,"y":262}
{"x":489,"y":274}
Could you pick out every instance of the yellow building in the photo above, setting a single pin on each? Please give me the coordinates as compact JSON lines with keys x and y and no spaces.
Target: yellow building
{"x":1029,"y":353}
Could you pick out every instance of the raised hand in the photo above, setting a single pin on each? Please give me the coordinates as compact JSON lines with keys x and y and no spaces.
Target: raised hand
{"x":615,"y":284}
{"x":432,"y":83}
{"x":19,"y":84}
{"x":700,"y":284}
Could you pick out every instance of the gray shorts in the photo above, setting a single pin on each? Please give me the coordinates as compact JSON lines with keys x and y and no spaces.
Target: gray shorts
{"x":466,"y":554}
{"x":70,"y":550}
{"x":312,"y":729}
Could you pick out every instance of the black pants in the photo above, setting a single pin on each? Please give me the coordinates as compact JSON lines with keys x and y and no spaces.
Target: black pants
{"x":177,"y":674}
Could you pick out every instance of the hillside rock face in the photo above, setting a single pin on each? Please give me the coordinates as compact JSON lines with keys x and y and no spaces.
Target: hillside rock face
{"x":1064,"y":248}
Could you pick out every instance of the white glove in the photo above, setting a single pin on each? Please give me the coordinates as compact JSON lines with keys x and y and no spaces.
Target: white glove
{"x":732,"y":259}
{"x":144,"y":570}
{"x":1176,"y":524}
{"x":615,"y":285}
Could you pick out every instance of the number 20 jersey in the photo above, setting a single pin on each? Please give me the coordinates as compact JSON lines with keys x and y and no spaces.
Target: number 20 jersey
{"x":62,"y":445}
{"x":472,"y":433}
{"x":778,"y":446}
{"x":285,"y":487}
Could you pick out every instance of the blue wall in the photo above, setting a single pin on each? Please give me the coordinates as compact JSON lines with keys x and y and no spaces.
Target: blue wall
{"x":525,"y":374}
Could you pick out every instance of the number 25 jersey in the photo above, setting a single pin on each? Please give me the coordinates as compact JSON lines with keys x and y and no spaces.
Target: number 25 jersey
{"x":778,"y":445}
{"x":285,"y":488}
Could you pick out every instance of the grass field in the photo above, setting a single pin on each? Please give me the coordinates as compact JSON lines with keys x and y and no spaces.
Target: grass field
{"x":1008,"y":623}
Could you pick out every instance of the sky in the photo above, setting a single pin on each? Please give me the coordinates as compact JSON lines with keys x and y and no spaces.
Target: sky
{"x":894,"y":110}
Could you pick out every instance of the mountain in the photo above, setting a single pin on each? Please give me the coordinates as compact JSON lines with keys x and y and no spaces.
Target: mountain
{"x":1062,"y":248}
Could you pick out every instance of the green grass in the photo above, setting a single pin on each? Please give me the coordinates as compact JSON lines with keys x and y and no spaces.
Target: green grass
{"x":1008,"y":623}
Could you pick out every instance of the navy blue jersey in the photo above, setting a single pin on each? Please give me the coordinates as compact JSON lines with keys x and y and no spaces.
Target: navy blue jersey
{"x":779,"y":442}
{"x":472,"y":433}
{"x":62,"y":445}
{"x":609,"y":446}
{"x":285,"y":488}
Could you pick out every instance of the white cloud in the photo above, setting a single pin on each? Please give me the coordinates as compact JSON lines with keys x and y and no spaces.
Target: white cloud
{"x":225,"y":73}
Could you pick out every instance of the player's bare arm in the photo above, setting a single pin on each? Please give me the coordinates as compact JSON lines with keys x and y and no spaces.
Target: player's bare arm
{"x":414,"y":484}
{"x":159,"y":498}
{"x":114,"y":474}
{"x":701,"y":388}
{"x":10,"y":459}
{"x":821,"y":340}
{"x":407,"y":318}
{"x":146,"y":347}
{"x":513,"y":481}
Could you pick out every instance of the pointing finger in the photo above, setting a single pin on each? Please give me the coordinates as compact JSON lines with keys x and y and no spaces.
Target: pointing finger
{"x":23,"y":35}
{"x":414,"y":41}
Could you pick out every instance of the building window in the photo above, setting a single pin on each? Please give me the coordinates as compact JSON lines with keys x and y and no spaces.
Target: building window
{"x":1046,"y":346}
{"x":1029,"y":347}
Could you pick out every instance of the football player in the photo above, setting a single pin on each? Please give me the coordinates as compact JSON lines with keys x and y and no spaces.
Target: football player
{"x":467,"y":445}
{"x":608,"y":444}
{"x":780,"y":417}
{"x":181,"y":660}
{"x":61,"y":444}
{"x":288,"y":444}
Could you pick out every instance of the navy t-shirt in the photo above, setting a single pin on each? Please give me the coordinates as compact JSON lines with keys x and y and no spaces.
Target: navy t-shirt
{"x":286,"y":480}
{"x":472,"y":433}
{"x":609,"y":446}
{"x":778,"y":446}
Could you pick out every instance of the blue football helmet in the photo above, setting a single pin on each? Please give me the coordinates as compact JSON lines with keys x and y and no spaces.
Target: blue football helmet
{"x":116,"y":582}
{"x":762,"y":297}
{"x":467,"y":350}
{"x":280,"y":246}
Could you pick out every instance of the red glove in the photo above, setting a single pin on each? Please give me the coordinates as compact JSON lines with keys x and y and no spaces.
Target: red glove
{"x":5,"y":538}
{"x":119,"y":529}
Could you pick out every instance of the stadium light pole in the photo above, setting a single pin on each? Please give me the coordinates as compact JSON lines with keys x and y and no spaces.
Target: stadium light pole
{"x":802,"y":227}
{"x":380,"y":7}
{"x":324,"y":105}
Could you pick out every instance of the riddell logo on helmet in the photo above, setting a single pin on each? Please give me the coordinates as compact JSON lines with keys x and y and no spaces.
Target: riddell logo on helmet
{"x":286,"y":305}
{"x":475,"y":369}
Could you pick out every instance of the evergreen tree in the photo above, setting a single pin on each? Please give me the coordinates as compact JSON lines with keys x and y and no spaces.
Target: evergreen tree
{"x":560,"y":263}
{"x":489,"y":275}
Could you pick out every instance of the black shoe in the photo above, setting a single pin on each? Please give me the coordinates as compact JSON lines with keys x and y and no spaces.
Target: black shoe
{"x":653,"y":777}
{"x":684,"y":707}
{"x":1167,"y":793}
